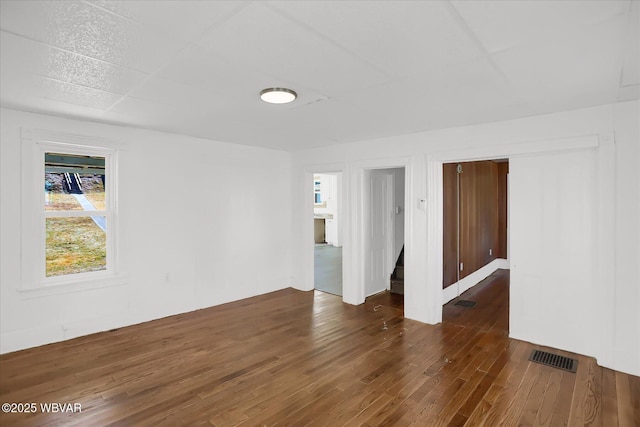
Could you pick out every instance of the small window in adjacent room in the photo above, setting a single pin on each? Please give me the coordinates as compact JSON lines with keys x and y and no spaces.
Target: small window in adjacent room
{"x":76,"y":213}
{"x":317,"y":191}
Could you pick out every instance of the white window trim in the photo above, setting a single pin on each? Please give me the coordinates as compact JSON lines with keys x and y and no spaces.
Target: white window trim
{"x":34,"y":145}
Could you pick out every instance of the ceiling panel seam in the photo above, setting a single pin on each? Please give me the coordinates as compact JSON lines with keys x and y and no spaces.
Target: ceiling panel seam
{"x":483,"y":51}
{"x":327,"y":39}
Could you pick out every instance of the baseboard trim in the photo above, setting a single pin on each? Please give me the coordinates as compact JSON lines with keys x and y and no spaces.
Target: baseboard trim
{"x":451,"y":291}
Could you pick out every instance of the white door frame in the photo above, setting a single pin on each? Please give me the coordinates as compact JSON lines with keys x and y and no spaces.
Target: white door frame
{"x":423,"y":224}
{"x":354,"y":289}
{"x":434,"y":193}
{"x":308,"y":225}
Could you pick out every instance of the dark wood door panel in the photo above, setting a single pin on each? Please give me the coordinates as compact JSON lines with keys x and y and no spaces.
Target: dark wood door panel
{"x":480,"y":197}
{"x":450,"y":224}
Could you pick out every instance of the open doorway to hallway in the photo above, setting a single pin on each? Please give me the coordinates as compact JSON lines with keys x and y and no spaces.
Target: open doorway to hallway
{"x":384,"y":204}
{"x":475,"y":225}
{"x":327,"y":225}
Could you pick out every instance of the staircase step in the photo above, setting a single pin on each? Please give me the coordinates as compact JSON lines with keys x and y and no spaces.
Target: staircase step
{"x":398,"y":272}
{"x":397,"y":287}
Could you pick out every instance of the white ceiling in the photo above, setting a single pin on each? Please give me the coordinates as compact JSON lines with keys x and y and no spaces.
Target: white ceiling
{"x":362,"y":69}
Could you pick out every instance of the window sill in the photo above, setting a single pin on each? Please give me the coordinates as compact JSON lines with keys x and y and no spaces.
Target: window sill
{"x":73,"y":285}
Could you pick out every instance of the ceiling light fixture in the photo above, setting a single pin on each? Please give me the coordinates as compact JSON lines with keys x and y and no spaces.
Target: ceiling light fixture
{"x":278,"y":95}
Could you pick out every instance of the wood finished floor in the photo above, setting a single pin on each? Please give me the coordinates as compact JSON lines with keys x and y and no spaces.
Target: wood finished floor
{"x":305,"y":358}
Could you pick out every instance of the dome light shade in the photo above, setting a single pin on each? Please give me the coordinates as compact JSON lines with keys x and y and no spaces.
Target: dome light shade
{"x":278,"y":95}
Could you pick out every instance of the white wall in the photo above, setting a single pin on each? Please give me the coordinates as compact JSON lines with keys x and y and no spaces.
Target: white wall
{"x":229,"y":221}
{"x":614,"y":299}
{"x":219,"y":235}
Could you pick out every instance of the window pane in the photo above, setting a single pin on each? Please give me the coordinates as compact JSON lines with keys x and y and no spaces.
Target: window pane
{"x":75,"y":245}
{"x":74,"y":182}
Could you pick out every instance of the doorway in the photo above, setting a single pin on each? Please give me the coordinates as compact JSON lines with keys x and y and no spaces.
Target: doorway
{"x":475,"y":207}
{"x":327,"y":224}
{"x":384,"y":226}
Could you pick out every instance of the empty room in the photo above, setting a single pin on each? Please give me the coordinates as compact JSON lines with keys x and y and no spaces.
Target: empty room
{"x":171,"y":173}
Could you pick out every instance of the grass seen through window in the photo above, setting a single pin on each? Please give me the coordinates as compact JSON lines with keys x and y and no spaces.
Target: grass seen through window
{"x":74,"y":245}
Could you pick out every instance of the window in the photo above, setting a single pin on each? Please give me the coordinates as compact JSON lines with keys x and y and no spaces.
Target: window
{"x":69,"y":210}
{"x":317,"y":191}
{"x":75,"y":214}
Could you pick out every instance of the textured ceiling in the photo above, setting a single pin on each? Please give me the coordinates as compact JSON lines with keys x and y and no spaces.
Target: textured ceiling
{"x":362,"y":69}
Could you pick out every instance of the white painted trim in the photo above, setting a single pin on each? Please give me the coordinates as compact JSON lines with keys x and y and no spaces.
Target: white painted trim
{"x":354,"y":289}
{"x":34,"y":144}
{"x":48,"y":332}
{"x":74,"y":214}
{"x":76,"y":284}
{"x":606,"y":248}
{"x":308,"y":236}
{"x":434,"y":197}
{"x":525,"y":148}
{"x":383,"y":163}
{"x":434,"y":259}
{"x":468,"y":282}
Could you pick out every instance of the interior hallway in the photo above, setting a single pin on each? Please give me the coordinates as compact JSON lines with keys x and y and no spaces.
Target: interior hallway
{"x":327,"y":270}
{"x":306,"y":358}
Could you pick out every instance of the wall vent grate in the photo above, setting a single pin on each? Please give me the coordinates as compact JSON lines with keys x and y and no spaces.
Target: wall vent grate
{"x":554,"y":360}
{"x":465,"y":303}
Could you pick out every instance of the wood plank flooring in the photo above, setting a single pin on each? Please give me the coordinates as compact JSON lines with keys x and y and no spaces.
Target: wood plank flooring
{"x":305,"y":358}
